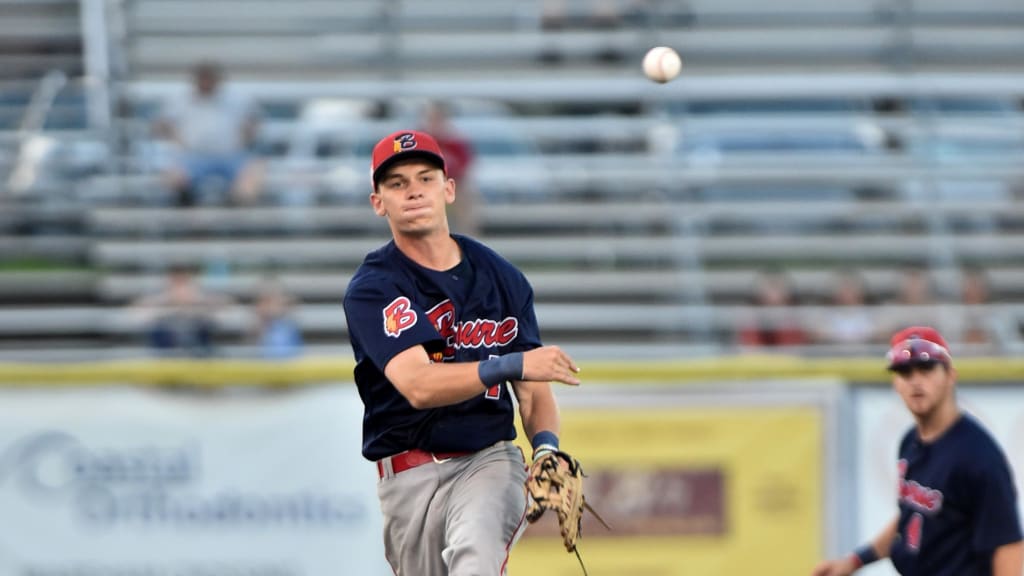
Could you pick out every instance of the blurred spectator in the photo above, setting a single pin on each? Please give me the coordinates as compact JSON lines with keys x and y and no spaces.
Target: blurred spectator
{"x":596,"y":14}
{"x":212,"y":132}
{"x":180,"y":318}
{"x":276,"y":331}
{"x":915,"y":288}
{"x":847,"y":321}
{"x":914,"y":303}
{"x":774,"y":322}
{"x":459,"y":157}
{"x":976,"y":322}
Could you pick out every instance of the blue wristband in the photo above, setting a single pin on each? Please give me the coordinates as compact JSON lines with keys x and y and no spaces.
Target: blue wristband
{"x":866,"y":554}
{"x":501,"y":369}
{"x":544,"y":438}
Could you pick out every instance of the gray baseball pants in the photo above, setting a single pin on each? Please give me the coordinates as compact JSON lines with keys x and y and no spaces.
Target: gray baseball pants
{"x":458,"y":517}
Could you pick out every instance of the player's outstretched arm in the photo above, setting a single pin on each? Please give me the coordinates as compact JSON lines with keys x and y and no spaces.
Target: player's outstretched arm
{"x":877,"y":549}
{"x":1008,"y":560}
{"x":426,"y":384}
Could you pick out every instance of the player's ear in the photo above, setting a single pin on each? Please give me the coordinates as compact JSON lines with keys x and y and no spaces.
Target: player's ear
{"x":449,"y":190}
{"x":377,"y":203}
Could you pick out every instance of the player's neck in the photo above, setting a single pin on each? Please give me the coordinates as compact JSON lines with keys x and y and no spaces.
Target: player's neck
{"x":436,"y":251}
{"x":934,"y":424}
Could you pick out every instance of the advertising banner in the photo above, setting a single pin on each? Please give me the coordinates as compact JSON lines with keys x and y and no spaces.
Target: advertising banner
{"x":101,"y":481}
{"x":127,"y":481}
{"x":730,"y":487}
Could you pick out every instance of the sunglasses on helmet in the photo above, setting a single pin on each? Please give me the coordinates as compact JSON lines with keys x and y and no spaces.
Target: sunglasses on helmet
{"x":916,"y":353}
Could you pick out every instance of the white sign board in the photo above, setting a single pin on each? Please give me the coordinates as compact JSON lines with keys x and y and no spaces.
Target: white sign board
{"x":882,"y":419}
{"x":134,"y":481}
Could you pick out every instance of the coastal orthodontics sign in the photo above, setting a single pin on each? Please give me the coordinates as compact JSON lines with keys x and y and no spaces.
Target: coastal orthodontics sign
{"x":130,"y":481}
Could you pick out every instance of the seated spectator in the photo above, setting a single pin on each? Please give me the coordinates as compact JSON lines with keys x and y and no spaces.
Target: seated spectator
{"x":459,"y":157}
{"x":915,"y":288}
{"x":276,"y":331}
{"x":596,"y":14}
{"x":914,"y":303}
{"x":773,"y":322}
{"x":847,"y":321}
{"x":977,"y":325}
{"x":180,"y":318}
{"x":212,"y":133}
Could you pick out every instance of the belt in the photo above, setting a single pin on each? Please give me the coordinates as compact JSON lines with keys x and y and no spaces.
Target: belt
{"x":412,"y":458}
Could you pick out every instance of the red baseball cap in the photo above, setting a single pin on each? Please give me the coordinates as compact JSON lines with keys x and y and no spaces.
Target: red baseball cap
{"x":404,"y":144}
{"x":918,"y":345}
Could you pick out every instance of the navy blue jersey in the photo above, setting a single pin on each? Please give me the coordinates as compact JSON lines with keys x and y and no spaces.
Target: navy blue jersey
{"x":957,"y":503}
{"x":480,"y":308}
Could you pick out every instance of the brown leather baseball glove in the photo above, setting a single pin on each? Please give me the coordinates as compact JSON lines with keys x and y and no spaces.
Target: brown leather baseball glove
{"x":555,"y":483}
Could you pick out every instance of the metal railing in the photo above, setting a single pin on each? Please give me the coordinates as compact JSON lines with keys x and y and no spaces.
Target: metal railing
{"x":32,"y":147}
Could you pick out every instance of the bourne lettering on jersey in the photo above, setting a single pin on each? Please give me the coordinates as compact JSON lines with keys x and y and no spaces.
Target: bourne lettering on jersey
{"x":920,"y":497}
{"x":471,"y":333}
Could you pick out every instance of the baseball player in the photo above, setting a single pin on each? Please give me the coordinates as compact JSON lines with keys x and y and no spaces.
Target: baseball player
{"x":957,"y":501}
{"x":440,"y":324}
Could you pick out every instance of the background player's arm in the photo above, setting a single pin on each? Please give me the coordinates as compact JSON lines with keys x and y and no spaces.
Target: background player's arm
{"x":883,"y":541}
{"x":1008,"y":560}
{"x":849,"y":564}
{"x":427,"y":384}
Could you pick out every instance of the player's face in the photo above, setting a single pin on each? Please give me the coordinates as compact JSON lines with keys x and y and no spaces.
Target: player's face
{"x":412,"y":196}
{"x":924,"y":387}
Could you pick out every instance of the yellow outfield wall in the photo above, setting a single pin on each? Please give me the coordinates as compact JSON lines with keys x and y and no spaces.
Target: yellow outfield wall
{"x":333,"y":369}
{"x":690,"y":491}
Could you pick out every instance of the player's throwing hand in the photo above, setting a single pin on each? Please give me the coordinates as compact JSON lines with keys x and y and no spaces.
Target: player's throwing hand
{"x":550,"y":364}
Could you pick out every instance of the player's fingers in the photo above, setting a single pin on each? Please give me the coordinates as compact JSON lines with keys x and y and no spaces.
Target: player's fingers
{"x":568,"y":361}
{"x":557,"y":359}
{"x":567,"y":377}
{"x":567,"y":367}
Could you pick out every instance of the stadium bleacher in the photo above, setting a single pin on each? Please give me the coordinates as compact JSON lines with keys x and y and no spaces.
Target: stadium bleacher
{"x":642,"y":213}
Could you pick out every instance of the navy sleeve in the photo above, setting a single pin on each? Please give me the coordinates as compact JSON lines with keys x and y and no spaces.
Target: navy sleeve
{"x":385,"y":322}
{"x":529,"y":331}
{"x":996,"y":520}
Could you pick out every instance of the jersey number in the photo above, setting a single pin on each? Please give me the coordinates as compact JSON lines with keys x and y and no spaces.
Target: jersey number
{"x":912,"y":532}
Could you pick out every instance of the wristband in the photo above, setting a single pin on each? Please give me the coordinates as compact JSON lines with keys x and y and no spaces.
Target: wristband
{"x":865,"y":555}
{"x":545,"y":439}
{"x":497,"y":370}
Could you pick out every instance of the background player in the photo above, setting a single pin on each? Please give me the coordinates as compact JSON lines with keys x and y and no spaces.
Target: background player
{"x":957,"y":502}
{"x":438,"y":324}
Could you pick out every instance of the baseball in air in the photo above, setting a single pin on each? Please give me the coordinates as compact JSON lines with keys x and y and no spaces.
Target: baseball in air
{"x":662,"y":64}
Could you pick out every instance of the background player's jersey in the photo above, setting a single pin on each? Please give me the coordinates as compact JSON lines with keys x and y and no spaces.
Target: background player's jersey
{"x":482,"y":307}
{"x":957,"y":503}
